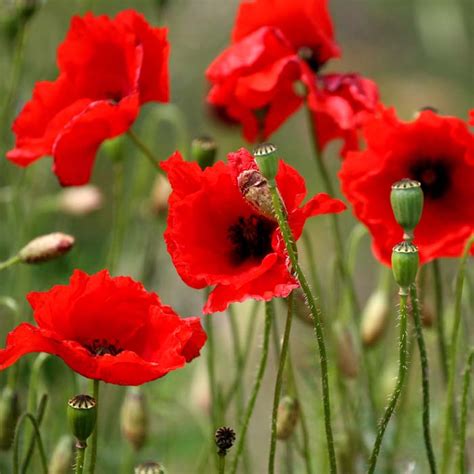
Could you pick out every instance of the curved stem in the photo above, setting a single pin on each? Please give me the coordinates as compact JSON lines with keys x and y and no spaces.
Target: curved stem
{"x":21,"y":421}
{"x":402,"y":369}
{"x":256,"y":386}
{"x":315,"y":313}
{"x":9,"y":263}
{"x":449,"y":410}
{"x":145,"y":150}
{"x":279,"y":382}
{"x":440,"y":328}
{"x":424,"y":378}
{"x":93,"y":450}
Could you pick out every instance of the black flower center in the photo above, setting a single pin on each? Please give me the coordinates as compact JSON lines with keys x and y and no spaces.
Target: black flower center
{"x":434,"y":176}
{"x":100,"y":347}
{"x":251,"y":238}
{"x":311,"y":57}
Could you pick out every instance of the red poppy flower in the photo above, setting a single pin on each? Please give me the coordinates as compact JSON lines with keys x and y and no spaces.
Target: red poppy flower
{"x":216,"y":238}
{"x":341,"y":104}
{"x":108,"y":68}
{"x":435,"y":150}
{"x":108,"y":329}
{"x":471,"y":117}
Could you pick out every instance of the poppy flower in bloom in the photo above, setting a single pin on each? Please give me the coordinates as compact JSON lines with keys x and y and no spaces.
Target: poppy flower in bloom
{"x":108,"y":68}
{"x":217,"y":238}
{"x":341,"y":104}
{"x":437,"y":151}
{"x":275,"y":44}
{"x":108,"y":329}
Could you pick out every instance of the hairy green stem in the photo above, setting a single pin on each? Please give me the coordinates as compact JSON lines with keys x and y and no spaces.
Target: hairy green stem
{"x":94,"y":437}
{"x":402,"y":370}
{"x":80,"y":456}
{"x":145,"y":150}
{"x":425,"y":378}
{"x":269,"y":315}
{"x":440,"y":328}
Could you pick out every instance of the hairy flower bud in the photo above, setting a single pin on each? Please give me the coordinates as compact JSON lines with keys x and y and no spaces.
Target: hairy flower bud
{"x":62,"y":458}
{"x":287,"y":417}
{"x":405,"y":261}
{"x":46,"y":247}
{"x":266,"y":158}
{"x":254,"y":188}
{"x":347,"y":357}
{"x":225,"y":438}
{"x":134,"y":417}
{"x":374,"y":318}
{"x":159,"y":195}
{"x":150,"y":468}
{"x":80,"y":200}
{"x":82,"y":415}
{"x":204,"y":151}
{"x":9,"y":412}
{"x":406,"y":198}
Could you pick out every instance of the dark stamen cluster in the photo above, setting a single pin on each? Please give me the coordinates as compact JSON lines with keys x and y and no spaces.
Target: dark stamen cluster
{"x":225,"y":438}
{"x":434,"y":176}
{"x":100,"y":347}
{"x":311,"y":57}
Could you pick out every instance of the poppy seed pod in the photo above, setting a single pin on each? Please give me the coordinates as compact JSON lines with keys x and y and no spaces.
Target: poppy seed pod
{"x":266,"y":158}
{"x":150,"y":468}
{"x":225,"y":438}
{"x":63,"y":456}
{"x":9,"y":412}
{"x":82,"y":415}
{"x":405,"y":261}
{"x":46,"y":247}
{"x":204,"y":151}
{"x":406,"y":198}
{"x":134,"y":418}
{"x":287,"y":417}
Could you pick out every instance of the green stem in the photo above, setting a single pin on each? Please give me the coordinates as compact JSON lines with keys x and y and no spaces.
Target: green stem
{"x":424,"y":378}
{"x":464,"y":412}
{"x":80,"y":456}
{"x":221,"y":464}
{"x":402,"y":370}
{"x":449,"y":410}
{"x":94,"y":437}
{"x":211,"y":368}
{"x":9,"y":263}
{"x":315,"y":313}
{"x":21,"y":421}
{"x":269,"y":315}
{"x":278,"y":384}
{"x":145,"y":150}
{"x":440,"y":327}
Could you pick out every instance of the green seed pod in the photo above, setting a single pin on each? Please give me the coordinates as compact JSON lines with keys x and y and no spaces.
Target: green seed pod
{"x":134,"y":417}
{"x":82,"y":414}
{"x":266,"y":157}
{"x":407,"y":204}
{"x":9,"y":412}
{"x":150,"y":468}
{"x":204,"y":151}
{"x":62,"y":458}
{"x":405,"y":261}
{"x":287,"y":417}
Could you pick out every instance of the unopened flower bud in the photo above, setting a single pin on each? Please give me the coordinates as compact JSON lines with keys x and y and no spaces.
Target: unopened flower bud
{"x":9,"y":412}
{"x":62,"y":458}
{"x":405,"y":261}
{"x":225,"y":438}
{"x":46,"y":247}
{"x":150,"y":468}
{"x":134,"y":417}
{"x":406,"y":198}
{"x":347,"y":357}
{"x":160,"y":193}
{"x":287,"y":417}
{"x":267,"y":161}
{"x":254,"y":188}
{"x":374,"y":318}
{"x":80,"y":200}
{"x":82,"y":415}
{"x":204,"y":151}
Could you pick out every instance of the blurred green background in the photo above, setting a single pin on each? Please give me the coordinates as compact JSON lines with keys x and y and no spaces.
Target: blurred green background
{"x":419,"y":52}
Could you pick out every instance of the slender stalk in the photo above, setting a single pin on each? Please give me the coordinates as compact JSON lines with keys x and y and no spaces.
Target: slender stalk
{"x":269,"y":315}
{"x":221,"y":464}
{"x":450,"y":394}
{"x":145,"y":150}
{"x":425,"y":378}
{"x":464,"y":413}
{"x":440,"y":327}
{"x":402,"y":370}
{"x":315,"y":313}
{"x":94,"y":437}
{"x":9,"y":263}
{"x":279,"y":383}
{"x":80,"y":456}
{"x":211,"y":369}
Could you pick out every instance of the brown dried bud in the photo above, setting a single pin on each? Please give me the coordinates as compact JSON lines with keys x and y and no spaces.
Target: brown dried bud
{"x":287,"y":417}
{"x":80,"y":200}
{"x":255,"y":189}
{"x":46,"y":247}
{"x":160,"y":194}
{"x":225,"y":438}
{"x":347,"y":357}
{"x":134,"y":417}
{"x":374,"y":318}
{"x":63,"y":456}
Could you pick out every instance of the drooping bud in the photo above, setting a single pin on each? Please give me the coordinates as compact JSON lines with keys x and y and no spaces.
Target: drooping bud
{"x":267,"y":161}
{"x":405,"y":261}
{"x":374,"y":318}
{"x":406,"y":198}
{"x":287,"y":417}
{"x":46,"y":247}
{"x":80,"y":200}
{"x":150,"y":468}
{"x":204,"y":151}
{"x":159,"y":195}
{"x":255,"y":190}
{"x":225,"y":438}
{"x":62,"y":458}
{"x":82,"y":415}
{"x":9,"y":412}
{"x":347,"y":357}
{"x":134,"y":417}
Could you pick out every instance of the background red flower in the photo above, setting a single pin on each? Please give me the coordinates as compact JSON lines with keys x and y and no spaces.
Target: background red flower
{"x":108,"y":329}
{"x":108,"y":68}
{"x":436,"y":150}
